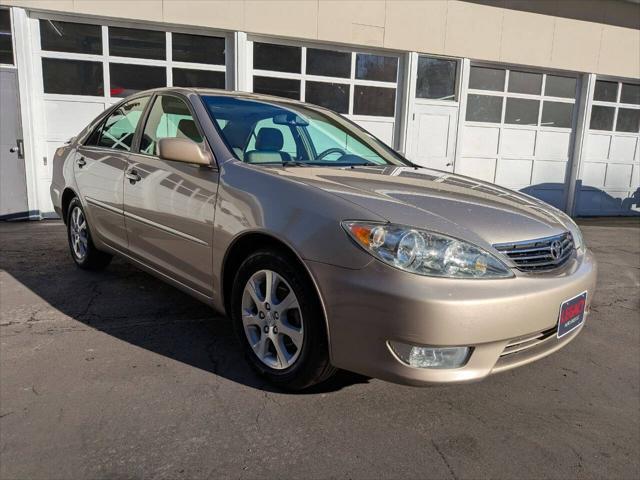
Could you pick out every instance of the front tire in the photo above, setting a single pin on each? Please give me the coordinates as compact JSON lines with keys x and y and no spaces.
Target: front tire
{"x":279,"y":322}
{"x":83,"y":251}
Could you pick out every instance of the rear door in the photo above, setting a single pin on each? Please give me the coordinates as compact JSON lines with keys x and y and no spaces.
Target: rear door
{"x":169,"y":206}
{"x":99,"y":169}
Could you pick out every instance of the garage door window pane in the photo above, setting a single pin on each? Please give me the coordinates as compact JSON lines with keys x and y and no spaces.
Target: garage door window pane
{"x":602,"y":117}
{"x":376,"y":101}
{"x":521,"y":112}
{"x":280,"y":87}
{"x":525,"y":82}
{"x":328,"y":63}
{"x":186,"y":77}
{"x":630,"y":93}
{"x":70,"y":37}
{"x":132,"y":42}
{"x":628,"y":120}
{"x":436,"y":78}
{"x":560,"y":87}
{"x":72,"y":77}
{"x":6,"y":44}
{"x":484,"y":78}
{"x":376,"y":67}
{"x":330,"y":95}
{"x":128,"y":79}
{"x":605,"y":91}
{"x":557,"y":114}
{"x":484,"y":108}
{"x":278,"y":58}
{"x":197,"y":48}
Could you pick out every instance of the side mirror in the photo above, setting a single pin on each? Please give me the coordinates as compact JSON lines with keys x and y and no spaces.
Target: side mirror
{"x":183,"y":150}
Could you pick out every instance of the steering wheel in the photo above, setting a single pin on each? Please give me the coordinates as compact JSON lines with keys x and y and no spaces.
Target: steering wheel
{"x":329,"y":151}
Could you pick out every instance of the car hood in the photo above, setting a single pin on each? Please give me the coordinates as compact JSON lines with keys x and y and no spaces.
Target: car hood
{"x":442,"y":202}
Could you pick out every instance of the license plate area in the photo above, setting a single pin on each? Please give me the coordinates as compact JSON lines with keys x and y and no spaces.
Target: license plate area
{"x":571,"y":314}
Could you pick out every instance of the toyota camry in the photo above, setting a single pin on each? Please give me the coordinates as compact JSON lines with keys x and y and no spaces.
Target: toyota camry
{"x":326,"y":248}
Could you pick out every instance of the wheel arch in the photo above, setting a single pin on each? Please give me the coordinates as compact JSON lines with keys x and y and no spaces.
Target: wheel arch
{"x":243,"y":246}
{"x":67,"y":195}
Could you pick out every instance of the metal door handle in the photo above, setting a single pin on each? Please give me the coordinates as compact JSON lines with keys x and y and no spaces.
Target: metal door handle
{"x":133,"y":176}
{"x":19,"y":148}
{"x":81,"y":162}
{"x":14,"y":149}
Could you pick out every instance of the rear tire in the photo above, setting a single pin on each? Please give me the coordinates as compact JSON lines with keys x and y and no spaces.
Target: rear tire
{"x":281,"y":328}
{"x":83,"y":251}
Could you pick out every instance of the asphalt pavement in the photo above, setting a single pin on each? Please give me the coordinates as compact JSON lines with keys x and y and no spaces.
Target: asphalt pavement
{"x":117,"y":375}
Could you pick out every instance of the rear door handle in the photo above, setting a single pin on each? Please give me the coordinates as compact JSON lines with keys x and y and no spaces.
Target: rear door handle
{"x":133,"y":176}
{"x":81,"y":162}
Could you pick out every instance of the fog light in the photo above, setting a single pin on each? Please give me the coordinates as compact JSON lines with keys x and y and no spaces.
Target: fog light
{"x":431,"y":357}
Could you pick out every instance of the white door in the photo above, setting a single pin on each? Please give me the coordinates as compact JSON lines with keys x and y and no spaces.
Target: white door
{"x":433,"y":136}
{"x":609,"y":182}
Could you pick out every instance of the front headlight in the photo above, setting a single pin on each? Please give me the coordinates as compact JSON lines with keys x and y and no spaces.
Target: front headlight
{"x":425,"y":253}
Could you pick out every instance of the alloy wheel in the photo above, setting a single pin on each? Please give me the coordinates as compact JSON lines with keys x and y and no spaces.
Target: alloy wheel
{"x":79,"y":234}
{"x":272,"y":319}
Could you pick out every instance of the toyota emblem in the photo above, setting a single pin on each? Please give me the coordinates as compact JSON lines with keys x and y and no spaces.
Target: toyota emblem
{"x":556,"y":249}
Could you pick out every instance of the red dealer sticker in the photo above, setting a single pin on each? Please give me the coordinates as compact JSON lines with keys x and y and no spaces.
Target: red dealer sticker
{"x":571,"y":314}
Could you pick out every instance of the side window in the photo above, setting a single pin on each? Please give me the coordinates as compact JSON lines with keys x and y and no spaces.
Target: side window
{"x":169,"y":118}
{"x":118,"y":130}
{"x":289,"y":143}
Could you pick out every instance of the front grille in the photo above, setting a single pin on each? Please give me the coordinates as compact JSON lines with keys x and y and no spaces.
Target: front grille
{"x":520,"y":344}
{"x":541,"y":254}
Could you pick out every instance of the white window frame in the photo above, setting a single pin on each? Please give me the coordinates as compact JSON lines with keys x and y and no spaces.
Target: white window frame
{"x":105,"y":58}
{"x":617,"y":105}
{"x":13,"y":39}
{"x":303,"y":77}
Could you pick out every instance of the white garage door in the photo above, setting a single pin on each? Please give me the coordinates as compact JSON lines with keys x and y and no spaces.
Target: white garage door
{"x":610,"y":175}
{"x":361,"y":86}
{"x":83,"y":68}
{"x":518,"y":130}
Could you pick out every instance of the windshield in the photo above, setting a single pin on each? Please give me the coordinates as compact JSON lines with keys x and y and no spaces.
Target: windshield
{"x":273,"y":132}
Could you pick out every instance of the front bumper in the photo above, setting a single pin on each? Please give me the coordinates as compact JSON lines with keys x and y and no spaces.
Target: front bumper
{"x":508,"y":322}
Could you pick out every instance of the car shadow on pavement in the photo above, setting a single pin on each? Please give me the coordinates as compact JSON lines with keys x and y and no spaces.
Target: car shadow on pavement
{"x":128,"y":304}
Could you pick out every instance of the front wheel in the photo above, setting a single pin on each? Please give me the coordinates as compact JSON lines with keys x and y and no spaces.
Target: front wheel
{"x":83,"y":251}
{"x":278,"y":319}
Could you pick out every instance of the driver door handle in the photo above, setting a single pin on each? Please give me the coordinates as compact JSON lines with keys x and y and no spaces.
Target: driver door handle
{"x":81,"y":162}
{"x":132,"y":176}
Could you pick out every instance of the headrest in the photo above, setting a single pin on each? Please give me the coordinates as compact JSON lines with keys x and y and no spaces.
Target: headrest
{"x":187,"y":128}
{"x":269,"y":139}
{"x":235,"y":134}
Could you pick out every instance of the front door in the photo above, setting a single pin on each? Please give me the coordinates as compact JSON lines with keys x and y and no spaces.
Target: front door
{"x":169,"y":206}
{"x":13,"y":183}
{"x":434,"y":136}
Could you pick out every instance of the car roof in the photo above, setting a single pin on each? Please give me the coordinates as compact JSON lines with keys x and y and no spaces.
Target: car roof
{"x":226,"y":93}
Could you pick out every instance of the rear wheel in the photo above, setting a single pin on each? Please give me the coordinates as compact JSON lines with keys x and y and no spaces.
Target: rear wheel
{"x":83,"y":251}
{"x":278,"y":319}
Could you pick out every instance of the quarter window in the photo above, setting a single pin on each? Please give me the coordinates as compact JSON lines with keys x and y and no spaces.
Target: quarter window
{"x":119,"y":129}
{"x":169,"y":118}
